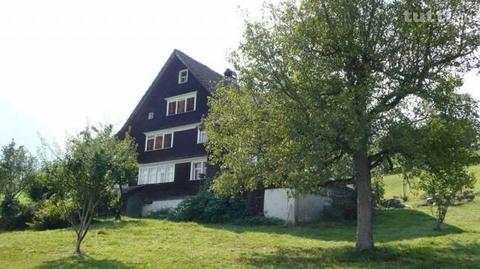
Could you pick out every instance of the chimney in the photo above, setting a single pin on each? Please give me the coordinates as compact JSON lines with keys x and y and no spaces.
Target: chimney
{"x":229,"y":74}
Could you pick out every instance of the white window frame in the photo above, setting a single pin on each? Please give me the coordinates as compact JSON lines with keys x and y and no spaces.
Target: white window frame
{"x":147,"y":136}
{"x":180,"y":97}
{"x":143,"y":172}
{"x":192,"y":169}
{"x":199,"y":135}
{"x":157,"y":173}
{"x":180,"y":76}
{"x":151,"y":115}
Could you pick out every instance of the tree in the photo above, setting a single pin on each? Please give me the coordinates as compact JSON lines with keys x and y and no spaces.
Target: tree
{"x":445,"y":146}
{"x":93,"y":162}
{"x":325,"y":86}
{"x":124,"y":167}
{"x":17,"y":169}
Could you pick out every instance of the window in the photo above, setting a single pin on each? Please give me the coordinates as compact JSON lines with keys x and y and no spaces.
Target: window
{"x":181,"y":103}
{"x":150,"y":143}
{"x":191,"y":104}
{"x":159,"y":141}
{"x":202,"y":136}
{"x":199,"y":170}
{"x":183,"y":76}
{"x":181,"y":106}
{"x":150,"y":115}
{"x":156,"y":174}
{"x":172,"y":108}
{"x":167,"y":141}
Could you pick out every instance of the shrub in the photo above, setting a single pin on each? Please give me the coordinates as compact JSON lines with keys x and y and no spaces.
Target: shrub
{"x":14,"y":215}
{"x":51,"y":215}
{"x":378,"y":192}
{"x":41,"y":187}
{"x":211,"y":208}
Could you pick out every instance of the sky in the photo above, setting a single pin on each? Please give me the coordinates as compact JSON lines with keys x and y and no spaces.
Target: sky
{"x":65,"y":63}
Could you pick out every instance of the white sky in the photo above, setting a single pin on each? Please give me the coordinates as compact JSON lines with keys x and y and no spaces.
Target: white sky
{"x":65,"y":63}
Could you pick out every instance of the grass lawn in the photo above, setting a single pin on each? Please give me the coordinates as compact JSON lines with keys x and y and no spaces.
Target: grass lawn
{"x":404,"y":239}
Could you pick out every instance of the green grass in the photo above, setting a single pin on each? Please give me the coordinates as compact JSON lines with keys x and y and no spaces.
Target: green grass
{"x":404,"y":239}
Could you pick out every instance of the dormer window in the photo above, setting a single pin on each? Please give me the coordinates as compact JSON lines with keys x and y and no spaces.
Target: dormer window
{"x":181,"y":103}
{"x":150,"y":115}
{"x":183,"y":76}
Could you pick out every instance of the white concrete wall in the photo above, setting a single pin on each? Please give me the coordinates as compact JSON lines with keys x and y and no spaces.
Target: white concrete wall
{"x":160,"y":205}
{"x":302,"y":208}
{"x":277,"y":204}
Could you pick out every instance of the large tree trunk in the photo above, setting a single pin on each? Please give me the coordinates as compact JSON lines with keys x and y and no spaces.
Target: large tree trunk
{"x":364,"y":201}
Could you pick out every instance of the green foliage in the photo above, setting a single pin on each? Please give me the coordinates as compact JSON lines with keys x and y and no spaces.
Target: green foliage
{"x":444,"y":188}
{"x":331,"y":89}
{"x":93,"y":162}
{"x":13,"y":214}
{"x":211,"y":208}
{"x":52,"y":214}
{"x":315,"y":86}
{"x":444,"y":148}
{"x":17,"y":169}
{"x":378,"y":192}
{"x":405,"y":239}
{"x":42,"y":186}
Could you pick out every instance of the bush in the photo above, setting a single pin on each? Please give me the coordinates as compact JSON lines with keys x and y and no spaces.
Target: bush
{"x":41,"y":187}
{"x":208,"y":207}
{"x":378,"y":192}
{"x":14,"y":215}
{"x":51,"y":215}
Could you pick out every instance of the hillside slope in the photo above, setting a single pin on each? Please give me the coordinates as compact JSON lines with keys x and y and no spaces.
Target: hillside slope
{"x":404,"y":239}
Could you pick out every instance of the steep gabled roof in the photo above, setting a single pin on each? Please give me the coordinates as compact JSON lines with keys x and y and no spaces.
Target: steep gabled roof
{"x":206,"y":76}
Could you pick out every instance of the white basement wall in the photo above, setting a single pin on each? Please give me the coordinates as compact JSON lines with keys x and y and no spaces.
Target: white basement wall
{"x":160,"y":205}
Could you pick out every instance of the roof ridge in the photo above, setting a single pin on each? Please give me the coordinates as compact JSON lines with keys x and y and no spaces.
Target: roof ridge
{"x":206,"y":76}
{"x":183,"y":54}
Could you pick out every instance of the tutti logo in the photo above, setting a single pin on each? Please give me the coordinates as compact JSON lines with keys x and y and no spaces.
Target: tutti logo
{"x":429,"y":16}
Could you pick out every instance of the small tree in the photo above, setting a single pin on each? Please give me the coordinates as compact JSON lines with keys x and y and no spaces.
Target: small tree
{"x":445,"y":146}
{"x":17,"y":169}
{"x":87,"y":170}
{"x":124,"y":168}
{"x":444,"y":187}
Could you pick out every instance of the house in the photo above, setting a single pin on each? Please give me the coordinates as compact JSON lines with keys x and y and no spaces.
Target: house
{"x":167,"y":126}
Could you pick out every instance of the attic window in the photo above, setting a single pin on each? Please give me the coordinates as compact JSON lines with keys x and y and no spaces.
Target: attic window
{"x":181,"y":103}
{"x":183,"y":76}
{"x":150,"y":115}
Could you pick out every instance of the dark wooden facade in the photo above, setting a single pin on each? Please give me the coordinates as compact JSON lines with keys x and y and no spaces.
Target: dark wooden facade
{"x":202,"y":80}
